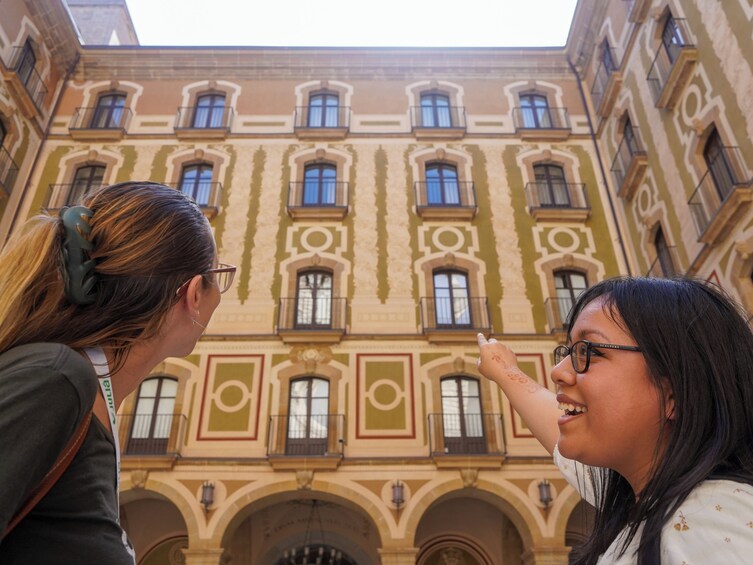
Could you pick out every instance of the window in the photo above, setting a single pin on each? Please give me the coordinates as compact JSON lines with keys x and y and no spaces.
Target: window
{"x":108,"y":113}
{"x":568,"y":285}
{"x":152,"y":422}
{"x":209,"y":111}
{"x":628,"y":135}
{"x":672,"y":38}
{"x":86,"y":179}
{"x":314,"y":300}
{"x":719,"y":165}
{"x":461,"y":416}
{"x":3,"y":133}
{"x":26,"y":63}
{"x":452,"y":299}
{"x":535,"y":111}
{"x":196,"y":182}
{"x":663,"y":254}
{"x":551,"y":186}
{"x":607,"y":60}
{"x":323,"y":110}
{"x":442,"y":185}
{"x":319,"y":184}
{"x":435,"y":110}
{"x":308,"y":417}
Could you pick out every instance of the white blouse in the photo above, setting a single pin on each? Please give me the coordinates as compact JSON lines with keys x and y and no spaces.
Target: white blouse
{"x":713,"y":525}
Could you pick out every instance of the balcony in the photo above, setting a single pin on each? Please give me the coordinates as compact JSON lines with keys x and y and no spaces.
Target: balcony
{"x":629,"y":166}
{"x":320,"y":320}
{"x":94,"y":124}
{"x":61,"y":195}
{"x":637,"y":10}
{"x":8,"y":172}
{"x":454,"y":319}
{"x":557,"y":201}
{"x":721,"y":197}
{"x":455,"y":438}
{"x":672,"y":68}
{"x":541,"y":123}
{"x":557,"y":313}
{"x":446,"y":200}
{"x":438,"y":122}
{"x":665,"y":265}
{"x":208,"y":195}
{"x":25,"y":84}
{"x":314,"y":440}
{"x":193,"y":122}
{"x":606,"y":86}
{"x":325,"y":200}
{"x":322,"y":122}
{"x":151,"y":440}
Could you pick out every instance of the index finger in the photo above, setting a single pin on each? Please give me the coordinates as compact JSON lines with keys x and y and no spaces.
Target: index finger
{"x":481,"y":339}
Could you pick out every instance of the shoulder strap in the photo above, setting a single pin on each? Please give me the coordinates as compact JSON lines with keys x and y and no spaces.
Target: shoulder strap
{"x":53,"y":474}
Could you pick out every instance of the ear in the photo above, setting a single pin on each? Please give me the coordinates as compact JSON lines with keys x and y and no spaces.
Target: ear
{"x":669,"y":399}
{"x":193,"y":294}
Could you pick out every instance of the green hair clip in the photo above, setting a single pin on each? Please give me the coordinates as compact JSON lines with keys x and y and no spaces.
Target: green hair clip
{"x":79,"y":273}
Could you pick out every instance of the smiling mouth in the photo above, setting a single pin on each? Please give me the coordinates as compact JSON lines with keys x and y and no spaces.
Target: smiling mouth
{"x":572,"y":409}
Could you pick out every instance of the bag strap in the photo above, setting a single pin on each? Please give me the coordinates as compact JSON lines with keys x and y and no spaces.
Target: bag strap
{"x":52,"y":476}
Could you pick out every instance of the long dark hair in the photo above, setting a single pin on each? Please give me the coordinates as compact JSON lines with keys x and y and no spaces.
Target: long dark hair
{"x":696,"y":339}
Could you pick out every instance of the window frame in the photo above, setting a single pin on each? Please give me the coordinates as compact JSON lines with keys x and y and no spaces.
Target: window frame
{"x":316,"y":301}
{"x":199,"y":186}
{"x":108,"y":106}
{"x":453,"y":301}
{"x":468,"y":434}
{"x":307,"y":444}
{"x":535,"y":111}
{"x":151,"y":444}
{"x":432,"y":106}
{"x":445,"y":185}
{"x":211,"y":110}
{"x":81,"y":186}
{"x":321,"y":184}
{"x":325,"y":109}
{"x":542,"y":173}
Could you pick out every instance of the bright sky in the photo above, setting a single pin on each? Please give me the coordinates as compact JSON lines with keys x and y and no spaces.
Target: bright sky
{"x":356,"y":23}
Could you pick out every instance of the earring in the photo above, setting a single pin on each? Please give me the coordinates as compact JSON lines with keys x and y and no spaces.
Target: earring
{"x":196,"y":322}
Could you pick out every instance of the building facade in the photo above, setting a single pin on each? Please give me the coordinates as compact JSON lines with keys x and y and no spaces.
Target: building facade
{"x":383,"y":207}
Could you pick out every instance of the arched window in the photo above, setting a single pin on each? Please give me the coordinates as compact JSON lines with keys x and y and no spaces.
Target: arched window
{"x":435,"y":110}
{"x":452,"y":300}
{"x":568,"y":285}
{"x":153,"y":421}
{"x":324,"y":110}
{"x":308,"y":417}
{"x":196,"y":182}
{"x":319,"y":184}
{"x":442,"y":185}
{"x":551,"y":186}
{"x":209,"y":111}
{"x":535,"y":111}
{"x":719,"y":165}
{"x":108,"y":114}
{"x":663,"y":254}
{"x":86,"y":179}
{"x":314,"y":300}
{"x":461,"y":416}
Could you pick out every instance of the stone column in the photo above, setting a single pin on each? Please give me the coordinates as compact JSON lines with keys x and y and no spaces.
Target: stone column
{"x":203,"y":556}
{"x":546,"y":555}
{"x":398,"y":555}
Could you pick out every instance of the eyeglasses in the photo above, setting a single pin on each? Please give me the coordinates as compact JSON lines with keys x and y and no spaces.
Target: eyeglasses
{"x":223,"y":276}
{"x":580,"y":353}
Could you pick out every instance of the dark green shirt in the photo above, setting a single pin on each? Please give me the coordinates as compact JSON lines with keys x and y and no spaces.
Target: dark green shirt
{"x":45,"y":391}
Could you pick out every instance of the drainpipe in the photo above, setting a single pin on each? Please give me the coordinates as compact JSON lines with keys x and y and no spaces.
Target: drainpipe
{"x":46,"y":134}
{"x":620,"y":242}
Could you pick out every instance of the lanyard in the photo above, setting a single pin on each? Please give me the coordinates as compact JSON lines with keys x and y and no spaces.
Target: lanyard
{"x":99,"y":362}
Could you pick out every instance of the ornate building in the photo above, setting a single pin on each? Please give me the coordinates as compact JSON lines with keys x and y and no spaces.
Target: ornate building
{"x":383,"y":206}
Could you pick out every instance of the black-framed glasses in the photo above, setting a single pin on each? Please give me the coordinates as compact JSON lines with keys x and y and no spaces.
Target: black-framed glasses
{"x":223,"y":276}
{"x":580,"y":353}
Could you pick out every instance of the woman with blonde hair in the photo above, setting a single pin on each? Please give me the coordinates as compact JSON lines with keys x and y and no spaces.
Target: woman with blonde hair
{"x":90,"y":302}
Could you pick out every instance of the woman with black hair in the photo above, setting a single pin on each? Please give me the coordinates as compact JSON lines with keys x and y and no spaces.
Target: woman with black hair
{"x":652,"y":421}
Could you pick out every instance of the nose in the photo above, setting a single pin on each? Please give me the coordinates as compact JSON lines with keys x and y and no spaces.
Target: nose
{"x":563,"y":372}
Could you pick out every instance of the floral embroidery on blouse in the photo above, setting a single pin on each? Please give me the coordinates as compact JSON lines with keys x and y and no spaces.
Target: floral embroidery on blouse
{"x":682,"y":525}
{"x":718,"y":507}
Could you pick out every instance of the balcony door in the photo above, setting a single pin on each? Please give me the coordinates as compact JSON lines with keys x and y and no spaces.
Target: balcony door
{"x":153,"y":419}
{"x":324,"y":110}
{"x":568,"y":285}
{"x":209,"y":111}
{"x":663,"y":254}
{"x":551,"y":186}
{"x":108,"y":114}
{"x":462,"y":423}
{"x":453,"y":308}
{"x":435,"y":110}
{"x":308,"y":411}
{"x":86,"y":179}
{"x":719,"y":166}
{"x":319,"y":184}
{"x":314,"y":300}
{"x":442,"y":185}
{"x":26,"y":63}
{"x":535,"y":111}
{"x":672,"y":38}
{"x":196,"y":182}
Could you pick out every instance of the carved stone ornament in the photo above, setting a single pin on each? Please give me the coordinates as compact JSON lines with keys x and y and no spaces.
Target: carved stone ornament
{"x":744,"y":248}
{"x":213,"y":85}
{"x":469,"y":477}
{"x":198,"y":154}
{"x":320,"y":154}
{"x":459,"y":364}
{"x":449,"y":259}
{"x":568,"y":260}
{"x":114,"y":84}
{"x":304,"y":479}
{"x":93,"y":155}
{"x":310,"y":356}
{"x":547,"y":155}
{"x":139,"y":478}
{"x":441,"y":154}
{"x":315,"y":259}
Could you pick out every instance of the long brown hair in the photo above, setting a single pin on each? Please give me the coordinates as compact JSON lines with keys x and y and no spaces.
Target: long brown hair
{"x":148,"y":240}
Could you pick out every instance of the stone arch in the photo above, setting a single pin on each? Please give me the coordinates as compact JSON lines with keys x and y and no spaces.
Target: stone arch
{"x":194,"y":156}
{"x":473,"y":267}
{"x":552,"y":92}
{"x":547,"y":266}
{"x":94,"y":90}
{"x":306,"y":89}
{"x":319,"y":154}
{"x":451,"y":89}
{"x":192,"y":91}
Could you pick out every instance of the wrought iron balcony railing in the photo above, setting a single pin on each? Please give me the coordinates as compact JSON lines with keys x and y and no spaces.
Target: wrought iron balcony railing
{"x":540,"y":118}
{"x":151,"y":434}
{"x":69,"y":194}
{"x":603,"y":85}
{"x":437,"y":117}
{"x":8,"y":171}
{"x":445,"y":194}
{"x":671,"y":61}
{"x":629,"y":163}
{"x":455,"y":314}
{"x":101,"y":118}
{"x":322,"y":117}
{"x":206,"y":194}
{"x":29,"y":76}
{"x":556,"y":194}
{"x":320,"y":194}
{"x":199,"y":117}
{"x":320,"y":314}
{"x":466,"y":434}
{"x":306,"y":435}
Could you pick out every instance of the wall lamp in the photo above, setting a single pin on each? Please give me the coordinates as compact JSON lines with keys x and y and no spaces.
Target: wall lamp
{"x":545,"y":493}
{"x":398,"y":494}
{"x":207,"y":495}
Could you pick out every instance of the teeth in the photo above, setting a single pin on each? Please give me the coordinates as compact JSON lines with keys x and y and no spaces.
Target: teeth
{"x":572,"y":408}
